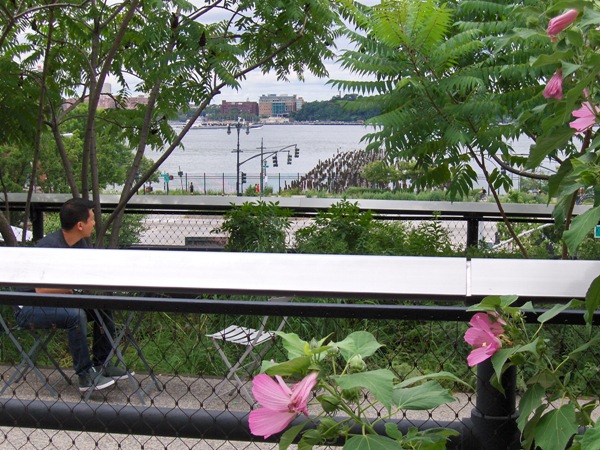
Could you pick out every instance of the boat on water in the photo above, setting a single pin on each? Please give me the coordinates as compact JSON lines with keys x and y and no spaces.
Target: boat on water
{"x":216,"y":125}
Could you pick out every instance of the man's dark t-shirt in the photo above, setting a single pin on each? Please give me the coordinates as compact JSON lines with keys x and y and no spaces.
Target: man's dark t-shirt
{"x":57,"y":240}
{"x":53,"y":240}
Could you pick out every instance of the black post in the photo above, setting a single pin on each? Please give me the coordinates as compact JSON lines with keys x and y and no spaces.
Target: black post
{"x":37,"y":222}
{"x":472,"y":232}
{"x":262,"y":168}
{"x":493,"y":423}
{"x":237,"y":172}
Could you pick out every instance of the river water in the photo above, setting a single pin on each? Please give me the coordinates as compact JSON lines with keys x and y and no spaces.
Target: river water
{"x":214,"y":151}
{"x":209,"y":158}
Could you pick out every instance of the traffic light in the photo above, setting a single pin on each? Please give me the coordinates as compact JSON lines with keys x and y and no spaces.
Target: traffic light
{"x":275,"y":161}
{"x":243,"y":177}
{"x":296,"y":152}
{"x":289,"y":160}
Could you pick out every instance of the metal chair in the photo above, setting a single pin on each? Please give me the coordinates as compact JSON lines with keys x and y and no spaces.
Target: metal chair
{"x":251,"y":339}
{"x":29,"y":356}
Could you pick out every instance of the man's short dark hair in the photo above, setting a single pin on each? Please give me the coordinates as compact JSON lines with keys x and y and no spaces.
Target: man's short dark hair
{"x":74,"y":211}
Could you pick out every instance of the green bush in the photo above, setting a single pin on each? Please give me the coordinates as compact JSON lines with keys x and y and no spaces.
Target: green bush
{"x":345,"y":229}
{"x":342,"y":229}
{"x":260,"y":227}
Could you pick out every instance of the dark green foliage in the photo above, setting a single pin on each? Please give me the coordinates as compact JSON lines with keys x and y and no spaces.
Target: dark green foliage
{"x":344,"y":229}
{"x":450,"y":79}
{"x":338,"y":109}
{"x":256,"y":227}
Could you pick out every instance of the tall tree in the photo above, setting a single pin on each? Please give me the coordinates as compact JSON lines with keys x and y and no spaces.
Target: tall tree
{"x":176,"y":52}
{"x":455,"y":84}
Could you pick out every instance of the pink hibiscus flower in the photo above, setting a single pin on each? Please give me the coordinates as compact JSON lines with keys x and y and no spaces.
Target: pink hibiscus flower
{"x":559,"y":23}
{"x":280,"y":404}
{"x":483,"y":334}
{"x":554,"y":86}
{"x":586,"y":117}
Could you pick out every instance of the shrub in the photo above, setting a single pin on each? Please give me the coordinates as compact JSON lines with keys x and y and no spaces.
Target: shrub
{"x":344,"y":229}
{"x":256,"y":227}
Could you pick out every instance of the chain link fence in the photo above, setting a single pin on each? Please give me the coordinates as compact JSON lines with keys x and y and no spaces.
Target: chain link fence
{"x":192,"y":379}
{"x":224,"y":183}
{"x":181,"y":396}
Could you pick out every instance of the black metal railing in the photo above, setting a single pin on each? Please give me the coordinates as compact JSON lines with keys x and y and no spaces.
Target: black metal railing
{"x":418,"y":338}
{"x":188,"y":222}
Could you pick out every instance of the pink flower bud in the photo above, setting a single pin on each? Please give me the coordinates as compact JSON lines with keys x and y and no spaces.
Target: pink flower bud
{"x":559,"y":23}
{"x":554,"y":86}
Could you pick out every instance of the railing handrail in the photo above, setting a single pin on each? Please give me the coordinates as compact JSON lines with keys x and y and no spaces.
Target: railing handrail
{"x":197,"y":204}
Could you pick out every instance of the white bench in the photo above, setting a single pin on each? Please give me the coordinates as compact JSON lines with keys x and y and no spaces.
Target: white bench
{"x":385,"y":277}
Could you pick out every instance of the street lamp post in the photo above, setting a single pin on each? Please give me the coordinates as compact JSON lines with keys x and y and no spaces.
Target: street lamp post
{"x":238,"y":126}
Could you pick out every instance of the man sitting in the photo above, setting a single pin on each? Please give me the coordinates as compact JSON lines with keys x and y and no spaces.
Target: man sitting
{"x":77,"y":223}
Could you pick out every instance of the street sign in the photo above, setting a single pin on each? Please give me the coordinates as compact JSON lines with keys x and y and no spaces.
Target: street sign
{"x":597,"y":232}
{"x":265,"y":167}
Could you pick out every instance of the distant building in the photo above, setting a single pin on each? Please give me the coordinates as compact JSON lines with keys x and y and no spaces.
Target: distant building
{"x":239,"y":108}
{"x":137,"y":100}
{"x":106,"y":100}
{"x":273,"y":105}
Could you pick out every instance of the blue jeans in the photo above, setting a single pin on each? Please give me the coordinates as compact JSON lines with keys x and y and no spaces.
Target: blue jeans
{"x":75,"y":321}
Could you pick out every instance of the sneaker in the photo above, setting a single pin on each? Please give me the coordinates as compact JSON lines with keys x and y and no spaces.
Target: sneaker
{"x":93,"y":379}
{"x":116,"y":373}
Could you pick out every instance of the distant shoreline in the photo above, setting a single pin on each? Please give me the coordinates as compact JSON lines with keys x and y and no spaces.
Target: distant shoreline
{"x":214,"y":127}
{"x":317,"y":123}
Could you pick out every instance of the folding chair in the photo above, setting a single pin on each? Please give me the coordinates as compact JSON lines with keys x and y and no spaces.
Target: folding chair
{"x":41,"y":338}
{"x":251,"y":339}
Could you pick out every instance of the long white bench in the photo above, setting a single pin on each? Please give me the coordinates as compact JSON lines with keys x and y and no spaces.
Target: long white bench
{"x":386,"y":277}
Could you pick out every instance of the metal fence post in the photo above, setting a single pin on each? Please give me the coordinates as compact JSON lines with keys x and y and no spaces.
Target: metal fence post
{"x":493,"y":423}
{"x":37,"y":221}
{"x":472,"y":231}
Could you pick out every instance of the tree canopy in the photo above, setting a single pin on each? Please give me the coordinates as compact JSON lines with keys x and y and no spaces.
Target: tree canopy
{"x":338,"y":109}
{"x":457,"y":81}
{"x":177,"y":53}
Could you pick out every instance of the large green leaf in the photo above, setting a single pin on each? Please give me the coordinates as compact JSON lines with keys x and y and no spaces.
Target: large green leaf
{"x":584,"y":348}
{"x":360,"y":343}
{"x":294,"y":366}
{"x":580,"y":227}
{"x":530,"y":401}
{"x":371,"y":442}
{"x":426,"y":396}
{"x":491,"y":302}
{"x":434,"y":376}
{"x":378,"y":382}
{"x":555,"y":311}
{"x":555,"y":428}
{"x":530,"y":427}
{"x":592,"y":301}
{"x":591,"y":438}
{"x":501,"y":356}
{"x":287,"y":438}
{"x":547,"y":144}
{"x":293,"y":344}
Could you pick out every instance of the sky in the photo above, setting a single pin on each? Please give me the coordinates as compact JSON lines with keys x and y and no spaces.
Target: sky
{"x":311,"y":89}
